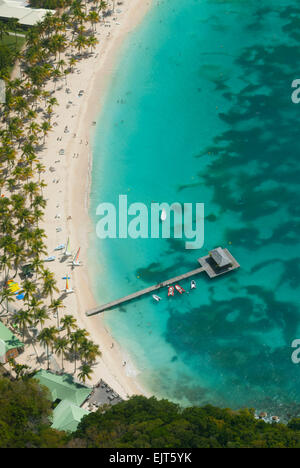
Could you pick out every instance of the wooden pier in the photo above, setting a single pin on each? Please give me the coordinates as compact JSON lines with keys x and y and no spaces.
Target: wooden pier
{"x":207,"y":265}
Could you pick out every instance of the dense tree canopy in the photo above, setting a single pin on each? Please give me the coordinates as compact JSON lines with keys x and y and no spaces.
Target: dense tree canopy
{"x":49,"y":4}
{"x":142,"y":423}
{"x":25,"y":419}
{"x":25,"y":412}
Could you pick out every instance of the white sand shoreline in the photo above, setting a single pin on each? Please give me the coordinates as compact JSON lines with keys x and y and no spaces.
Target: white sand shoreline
{"x":70,"y":196}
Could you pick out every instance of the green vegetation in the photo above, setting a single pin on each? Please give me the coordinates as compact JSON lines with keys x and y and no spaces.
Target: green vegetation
{"x":50,"y":4}
{"x":25,"y":412}
{"x":10,"y":46}
{"x":25,"y":121}
{"x":25,"y":408}
{"x":144,"y":423}
{"x":25,"y":419}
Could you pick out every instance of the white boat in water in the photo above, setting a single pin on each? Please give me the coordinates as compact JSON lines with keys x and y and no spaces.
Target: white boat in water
{"x":193,"y":284}
{"x":163,"y":215}
{"x":156,"y":298}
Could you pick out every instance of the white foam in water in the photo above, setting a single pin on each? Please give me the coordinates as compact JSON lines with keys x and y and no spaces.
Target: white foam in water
{"x":130,"y":369}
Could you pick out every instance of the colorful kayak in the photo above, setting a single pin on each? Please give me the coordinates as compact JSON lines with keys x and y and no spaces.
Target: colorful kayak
{"x":13,"y":287}
{"x":171,"y":291}
{"x":179,"y":288}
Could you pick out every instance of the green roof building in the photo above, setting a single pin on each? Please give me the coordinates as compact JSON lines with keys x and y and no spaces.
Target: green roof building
{"x":69,"y":395}
{"x":10,"y":345}
{"x":67,"y":416}
{"x":62,"y":387}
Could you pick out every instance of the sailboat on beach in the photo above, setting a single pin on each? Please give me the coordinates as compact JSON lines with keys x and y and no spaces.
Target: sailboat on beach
{"x":67,"y":252}
{"x":67,"y":289}
{"x":76,"y":261}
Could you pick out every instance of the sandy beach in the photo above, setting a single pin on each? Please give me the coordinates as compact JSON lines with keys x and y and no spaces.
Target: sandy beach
{"x":68,"y":186}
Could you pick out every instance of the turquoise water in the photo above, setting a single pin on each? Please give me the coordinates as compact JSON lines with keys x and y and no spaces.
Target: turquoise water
{"x":199,"y":110}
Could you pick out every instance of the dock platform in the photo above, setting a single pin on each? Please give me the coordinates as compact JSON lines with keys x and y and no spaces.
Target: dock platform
{"x":207,"y":265}
{"x":211,"y":268}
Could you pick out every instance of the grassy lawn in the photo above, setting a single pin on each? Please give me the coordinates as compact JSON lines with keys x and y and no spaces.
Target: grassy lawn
{"x":13,"y":43}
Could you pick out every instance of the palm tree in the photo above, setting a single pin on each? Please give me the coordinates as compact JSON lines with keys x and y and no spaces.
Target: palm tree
{"x":23,"y":319}
{"x":40,"y":167}
{"x":20,"y":369}
{"x":7,"y":244}
{"x":55,"y":305}
{"x":3,"y":30}
{"x":29,"y":289}
{"x":92,"y":41}
{"x":47,"y":338}
{"x":8,"y":296}
{"x":102,"y":6}
{"x":76,"y":339}
{"x":37,"y":265}
{"x":72,"y":63}
{"x":31,"y":189}
{"x":40,"y":316}
{"x":89,"y":351}
{"x":46,"y":127}
{"x":61,"y":347}
{"x":93,"y":17}
{"x":85,"y":373}
{"x":80,"y":42}
{"x":69,"y":323}
{"x":50,"y":286}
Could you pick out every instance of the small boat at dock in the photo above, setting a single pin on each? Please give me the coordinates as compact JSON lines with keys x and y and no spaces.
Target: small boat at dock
{"x":179,"y":289}
{"x":156,"y":298}
{"x":193,"y":284}
{"x":171,"y":291}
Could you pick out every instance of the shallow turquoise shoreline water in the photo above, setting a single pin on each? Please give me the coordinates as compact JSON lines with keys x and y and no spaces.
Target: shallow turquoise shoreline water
{"x":199,"y":110}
